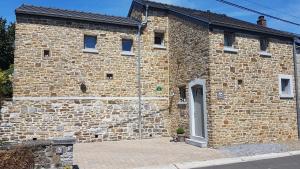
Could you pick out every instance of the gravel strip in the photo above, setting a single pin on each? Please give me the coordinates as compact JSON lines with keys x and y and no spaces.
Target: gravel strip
{"x":255,"y":149}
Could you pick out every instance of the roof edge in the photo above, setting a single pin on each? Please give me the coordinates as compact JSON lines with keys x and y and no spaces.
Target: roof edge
{"x":20,"y":11}
{"x":286,"y":35}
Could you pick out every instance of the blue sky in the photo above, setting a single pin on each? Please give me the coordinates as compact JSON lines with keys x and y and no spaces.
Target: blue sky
{"x":286,"y":9}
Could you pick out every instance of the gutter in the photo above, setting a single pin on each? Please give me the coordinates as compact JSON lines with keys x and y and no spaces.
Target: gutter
{"x":140,"y":26}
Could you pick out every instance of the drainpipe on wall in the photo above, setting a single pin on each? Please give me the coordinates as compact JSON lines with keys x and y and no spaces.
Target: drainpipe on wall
{"x":296,"y":84}
{"x":143,"y":23}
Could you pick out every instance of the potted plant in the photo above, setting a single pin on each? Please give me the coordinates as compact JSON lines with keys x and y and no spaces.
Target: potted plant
{"x":180,"y":134}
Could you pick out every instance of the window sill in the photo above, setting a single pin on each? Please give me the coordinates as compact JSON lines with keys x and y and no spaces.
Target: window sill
{"x":286,"y":96}
{"x":159,"y":47}
{"x":182,"y":103}
{"x":230,"y":49}
{"x":264,"y":53}
{"x":95,"y":51}
{"x":126,"y":53}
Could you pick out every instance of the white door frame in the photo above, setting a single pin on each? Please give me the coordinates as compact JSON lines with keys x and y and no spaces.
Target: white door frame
{"x":200,"y":82}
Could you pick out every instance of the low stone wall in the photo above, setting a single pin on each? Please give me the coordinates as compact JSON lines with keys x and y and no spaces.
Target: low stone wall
{"x":56,"y":153}
{"x":87,"y":120}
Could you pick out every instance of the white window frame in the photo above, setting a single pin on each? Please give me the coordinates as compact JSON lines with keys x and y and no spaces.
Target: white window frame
{"x":231,"y":37}
{"x":297,"y":47}
{"x":162,"y":45}
{"x":290,"y":78}
{"x":90,"y":50}
{"x":264,"y":52}
{"x":127,"y":53}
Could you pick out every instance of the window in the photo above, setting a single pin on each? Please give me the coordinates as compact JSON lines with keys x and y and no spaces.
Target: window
{"x":297,"y":48}
{"x":285,"y":86}
{"x":90,"y":42}
{"x":182,"y":94}
{"x":264,"y":44}
{"x":109,"y":76}
{"x":228,"y":39}
{"x":127,"y":45}
{"x":46,"y":53}
{"x":159,"y":38}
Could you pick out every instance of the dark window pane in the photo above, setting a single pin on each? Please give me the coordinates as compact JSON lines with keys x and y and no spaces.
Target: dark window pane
{"x":90,"y":42}
{"x":109,"y":76}
{"x":285,"y":86}
{"x":264,"y":44}
{"x":182,"y":93}
{"x":126,"y":45}
{"x":46,"y":53}
{"x":159,"y":39}
{"x":228,"y":39}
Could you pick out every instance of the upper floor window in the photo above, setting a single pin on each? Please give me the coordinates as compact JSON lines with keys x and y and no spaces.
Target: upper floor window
{"x":127,"y":45}
{"x":90,"y":42}
{"x":229,"y":39}
{"x":264,"y":47}
{"x":159,"y":38}
{"x":264,"y":44}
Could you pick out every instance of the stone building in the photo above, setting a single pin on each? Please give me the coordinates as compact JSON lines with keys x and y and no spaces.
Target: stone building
{"x":224,"y":80}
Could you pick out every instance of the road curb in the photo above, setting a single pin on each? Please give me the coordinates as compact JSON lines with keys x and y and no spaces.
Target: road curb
{"x":224,"y":161}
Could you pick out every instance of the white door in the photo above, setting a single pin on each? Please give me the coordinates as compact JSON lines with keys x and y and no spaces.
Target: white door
{"x":198,"y":115}
{"x":197,"y":91}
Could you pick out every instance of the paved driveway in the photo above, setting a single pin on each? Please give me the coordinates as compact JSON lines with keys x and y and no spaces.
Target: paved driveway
{"x":138,"y":153}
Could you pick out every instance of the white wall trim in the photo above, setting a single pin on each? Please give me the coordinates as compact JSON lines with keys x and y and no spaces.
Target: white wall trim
{"x":289,"y":77}
{"x":87,"y":98}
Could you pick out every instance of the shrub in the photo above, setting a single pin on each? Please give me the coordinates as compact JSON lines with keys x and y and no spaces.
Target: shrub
{"x":180,"y":130}
{"x":6,"y":82}
{"x":17,"y":158}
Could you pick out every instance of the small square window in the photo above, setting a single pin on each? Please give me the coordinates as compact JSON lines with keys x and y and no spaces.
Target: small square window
{"x":159,"y":38}
{"x":285,"y":86}
{"x":109,"y":76}
{"x":90,"y":42}
{"x":228,"y":39}
{"x":127,"y":45}
{"x":46,"y":53}
{"x":264,"y":44}
{"x":182,"y":94}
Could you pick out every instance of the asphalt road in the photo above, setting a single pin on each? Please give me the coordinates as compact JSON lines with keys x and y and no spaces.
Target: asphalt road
{"x":291,"y":162}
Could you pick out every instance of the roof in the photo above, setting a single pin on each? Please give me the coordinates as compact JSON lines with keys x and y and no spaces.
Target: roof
{"x":214,"y":18}
{"x":76,"y":15}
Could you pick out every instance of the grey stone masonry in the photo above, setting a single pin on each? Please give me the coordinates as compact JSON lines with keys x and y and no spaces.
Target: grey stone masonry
{"x":49,"y":154}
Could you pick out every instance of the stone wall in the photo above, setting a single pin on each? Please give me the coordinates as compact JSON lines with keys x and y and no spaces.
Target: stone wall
{"x":56,"y":153}
{"x":87,"y":120}
{"x":251,"y":110}
{"x":48,"y":101}
{"x":68,"y":66}
{"x":188,"y":60}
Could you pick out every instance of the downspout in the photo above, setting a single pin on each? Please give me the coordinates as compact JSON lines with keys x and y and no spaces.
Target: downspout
{"x":296,"y":85}
{"x":140,"y":26}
